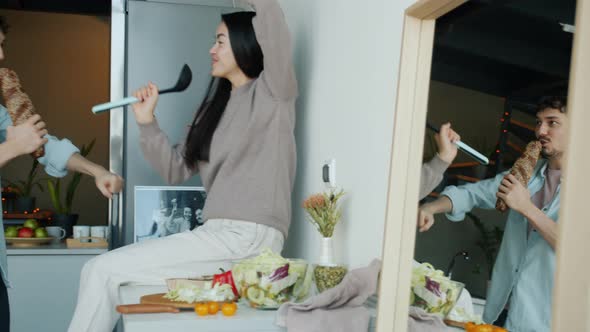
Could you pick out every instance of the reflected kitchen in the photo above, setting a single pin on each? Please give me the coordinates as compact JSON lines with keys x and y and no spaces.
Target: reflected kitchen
{"x":200,"y":173}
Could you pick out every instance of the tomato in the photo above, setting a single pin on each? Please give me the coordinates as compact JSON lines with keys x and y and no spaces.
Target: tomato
{"x":213,"y":307}
{"x":202,"y":309}
{"x":229,"y":308}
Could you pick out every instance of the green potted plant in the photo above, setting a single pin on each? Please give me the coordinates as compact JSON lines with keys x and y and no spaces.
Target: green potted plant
{"x":63,"y":216}
{"x":23,"y":189}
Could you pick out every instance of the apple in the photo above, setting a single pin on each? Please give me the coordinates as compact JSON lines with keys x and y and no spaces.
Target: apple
{"x":11,"y":231}
{"x":25,"y":232}
{"x":41,"y":232}
{"x":31,"y":223}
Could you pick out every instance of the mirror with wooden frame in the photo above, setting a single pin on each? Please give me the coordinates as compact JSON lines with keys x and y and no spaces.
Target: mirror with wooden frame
{"x":471,"y":64}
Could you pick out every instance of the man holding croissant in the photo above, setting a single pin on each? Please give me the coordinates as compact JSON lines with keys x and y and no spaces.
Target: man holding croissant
{"x":522,"y":278}
{"x":58,"y":156}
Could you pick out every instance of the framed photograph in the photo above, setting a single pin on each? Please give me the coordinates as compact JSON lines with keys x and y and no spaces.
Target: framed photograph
{"x":162,"y":211}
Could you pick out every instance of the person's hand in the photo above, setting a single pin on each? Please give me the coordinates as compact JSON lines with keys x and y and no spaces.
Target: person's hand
{"x":28,"y":136}
{"x":445,"y":141}
{"x":109,"y":183}
{"x":144,"y":109}
{"x":425,"y":219}
{"x":514,"y":194}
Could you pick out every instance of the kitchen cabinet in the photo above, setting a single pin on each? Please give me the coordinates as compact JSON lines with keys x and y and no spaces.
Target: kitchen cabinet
{"x":44,"y":284}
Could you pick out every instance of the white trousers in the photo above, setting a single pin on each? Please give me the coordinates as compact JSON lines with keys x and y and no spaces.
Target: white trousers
{"x":216,"y":244}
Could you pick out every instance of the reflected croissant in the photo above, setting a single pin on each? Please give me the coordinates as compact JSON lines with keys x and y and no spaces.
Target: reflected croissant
{"x":523,"y":168}
{"x":19,"y":105}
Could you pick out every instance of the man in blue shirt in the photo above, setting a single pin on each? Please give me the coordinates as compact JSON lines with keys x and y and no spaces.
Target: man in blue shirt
{"x":523,"y":273}
{"x":60,"y":156}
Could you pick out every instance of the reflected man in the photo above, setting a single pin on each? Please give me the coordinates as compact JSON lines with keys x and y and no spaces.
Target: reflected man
{"x":522,"y":278}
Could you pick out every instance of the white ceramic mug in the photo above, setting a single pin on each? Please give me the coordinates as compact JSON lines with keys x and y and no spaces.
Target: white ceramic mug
{"x":81,"y":231}
{"x":100,"y":231}
{"x":56,"y":232}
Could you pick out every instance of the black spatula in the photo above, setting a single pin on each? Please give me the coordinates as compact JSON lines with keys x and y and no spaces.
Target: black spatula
{"x":184,"y":80}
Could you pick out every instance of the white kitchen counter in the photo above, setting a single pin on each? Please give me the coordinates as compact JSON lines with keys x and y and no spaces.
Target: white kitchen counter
{"x":44,"y":283}
{"x":53,"y":249}
{"x":246,"y":319}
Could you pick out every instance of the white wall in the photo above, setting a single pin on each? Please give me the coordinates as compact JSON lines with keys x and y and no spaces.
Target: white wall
{"x":347,"y":58}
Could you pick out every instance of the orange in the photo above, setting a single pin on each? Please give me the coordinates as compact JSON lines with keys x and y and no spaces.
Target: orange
{"x":229,"y":308}
{"x":202,"y":309}
{"x":499,"y":329}
{"x":213,"y":307}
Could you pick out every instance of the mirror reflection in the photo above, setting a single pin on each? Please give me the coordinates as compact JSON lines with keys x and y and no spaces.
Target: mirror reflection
{"x":499,"y":81}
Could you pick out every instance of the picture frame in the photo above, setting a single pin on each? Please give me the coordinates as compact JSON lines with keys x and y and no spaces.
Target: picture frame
{"x":165,"y":210}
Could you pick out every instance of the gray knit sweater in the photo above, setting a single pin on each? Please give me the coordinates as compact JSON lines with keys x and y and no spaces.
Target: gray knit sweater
{"x":251,"y":167}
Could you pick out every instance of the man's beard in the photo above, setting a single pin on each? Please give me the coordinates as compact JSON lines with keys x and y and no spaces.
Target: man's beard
{"x":548,"y":155}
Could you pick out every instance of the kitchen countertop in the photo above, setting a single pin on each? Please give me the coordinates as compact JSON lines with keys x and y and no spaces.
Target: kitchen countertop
{"x":246,"y":320}
{"x":53,"y":249}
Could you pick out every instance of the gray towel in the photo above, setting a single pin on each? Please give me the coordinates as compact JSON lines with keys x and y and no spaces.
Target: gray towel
{"x":421,"y":321}
{"x":339,"y":309}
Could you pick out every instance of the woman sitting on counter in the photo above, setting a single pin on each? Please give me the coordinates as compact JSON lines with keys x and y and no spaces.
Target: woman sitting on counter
{"x":241,"y":143}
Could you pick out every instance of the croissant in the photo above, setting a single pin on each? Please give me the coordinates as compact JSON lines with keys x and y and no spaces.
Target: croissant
{"x":523,"y":168}
{"x":19,"y":105}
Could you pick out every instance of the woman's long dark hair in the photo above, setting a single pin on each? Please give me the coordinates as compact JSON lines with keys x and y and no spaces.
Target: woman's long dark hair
{"x":249,"y":58}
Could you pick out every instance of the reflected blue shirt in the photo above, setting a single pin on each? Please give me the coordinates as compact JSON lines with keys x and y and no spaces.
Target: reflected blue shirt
{"x":525,"y":266}
{"x":57,"y":154}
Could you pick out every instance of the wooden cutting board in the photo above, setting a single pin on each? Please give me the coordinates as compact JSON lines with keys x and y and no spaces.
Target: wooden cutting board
{"x":160,"y":299}
{"x":454,"y":323}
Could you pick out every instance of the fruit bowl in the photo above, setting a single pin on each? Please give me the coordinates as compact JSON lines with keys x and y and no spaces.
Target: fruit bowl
{"x":267,"y":285}
{"x":26,"y":242}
